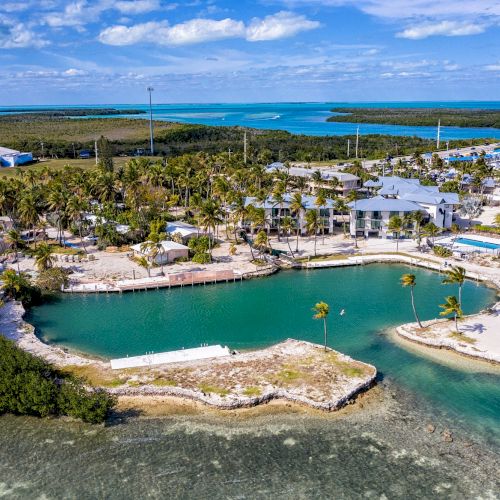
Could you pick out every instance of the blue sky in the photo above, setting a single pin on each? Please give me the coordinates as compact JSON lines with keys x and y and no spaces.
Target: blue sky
{"x":109,"y":51}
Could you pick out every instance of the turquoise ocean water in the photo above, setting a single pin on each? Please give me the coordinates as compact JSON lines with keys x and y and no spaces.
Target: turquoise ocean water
{"x":259,"y":313}
{"x":300,"y":118}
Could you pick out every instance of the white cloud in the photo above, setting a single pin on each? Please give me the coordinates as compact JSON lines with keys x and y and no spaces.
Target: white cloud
{"x":277,"y":26}
{"x":14,"y":6}
{"x":137,"y":6}
{"x":404,"y":9}
{"x":74,"y":72}
{"x":280,"y":25}
{"x":123,"y":35}
{"x":193,"y":31}
{"x":74,"y":14}
{"x":14,"y":35}
{"x":204,"y":30}
{"x":443,"y":28}
{"x":492,"y":67}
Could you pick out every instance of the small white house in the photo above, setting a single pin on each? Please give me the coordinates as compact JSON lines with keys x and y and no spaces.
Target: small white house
{"x":169,"y":253}
{"x":187,"y":231}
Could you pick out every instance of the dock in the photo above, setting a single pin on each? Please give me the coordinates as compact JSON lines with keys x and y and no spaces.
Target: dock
{"x":170,"y":280}
{"x":206,"y":352}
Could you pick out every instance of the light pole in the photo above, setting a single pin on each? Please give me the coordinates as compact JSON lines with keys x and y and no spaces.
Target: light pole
{"x":150,"y":90}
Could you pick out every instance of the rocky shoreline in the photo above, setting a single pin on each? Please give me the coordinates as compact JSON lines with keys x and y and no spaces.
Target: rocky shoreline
{"x":435,"y":335}
{"x":294,"y":371}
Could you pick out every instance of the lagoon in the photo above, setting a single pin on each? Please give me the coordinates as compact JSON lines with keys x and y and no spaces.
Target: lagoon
{"x":259,"y":313}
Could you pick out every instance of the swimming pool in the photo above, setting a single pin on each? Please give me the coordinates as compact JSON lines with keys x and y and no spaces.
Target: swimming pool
{"x":477,"y":243}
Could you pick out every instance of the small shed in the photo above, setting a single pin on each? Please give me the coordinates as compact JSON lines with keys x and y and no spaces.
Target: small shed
{"x":168,"y":252}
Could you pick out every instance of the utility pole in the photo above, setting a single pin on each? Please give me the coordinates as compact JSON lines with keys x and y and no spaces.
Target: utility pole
{"x":438,"y":134}
{"x":357,"y":141}
{"x":96,"y":154}
{"x":245,"y":147}
{"x":43,"y":156}
{"x":74,"y":152}
{"x":348,"y":148}
{"x":150,"y":90}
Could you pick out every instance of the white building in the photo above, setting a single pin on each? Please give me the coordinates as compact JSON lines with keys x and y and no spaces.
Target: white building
{"x":370,"y":217}
{"x":169,"y":253}
{"x":275,"y":213}
{"x":13,"y":158}
{"x":185,"y":230}
{"x":439,"y":206}
{"x":346,"y":182}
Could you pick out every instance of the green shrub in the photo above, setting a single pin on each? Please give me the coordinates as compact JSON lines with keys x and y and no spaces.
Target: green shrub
{"x":201,"y":258}
{"x":442,"y":251}
{"x":52,"y":279}
{"x":200,"y":244}
{"x":487,"y":229}
{"x":18,"y":286}
{"x":31,"y":386}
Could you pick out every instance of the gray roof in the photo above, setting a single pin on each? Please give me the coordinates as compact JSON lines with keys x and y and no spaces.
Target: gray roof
{"x":381,"y":204}
{"x":326,"y":173}
{"x":308,"y":201}
{"x":412,"y":190}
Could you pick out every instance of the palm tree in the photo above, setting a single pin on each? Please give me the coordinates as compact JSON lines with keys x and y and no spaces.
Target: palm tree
{"x":321,"y":310}
{"x":320,"y":202}
{"x":451,"y":306}
{"x":14,"y":240}
{"x":497,"y":219}
{"x":210,"y":217}
{"x":353,"y":197}
{"x":396,"y":226}
{"x":43,"y":257}
{"x":143,"y":262}
{"x":14,"y":284}
{"x":261,"y":242}
{"x":341,"y":206}
{"x":297,"y":207}
{"x":409,"y":280}
{"x":312,"y":225}
{"x":456,"y":274}
{"x":287,"y":226}
{"x":431,"y":230}
{"x":154,"y":247}
{"x":278,"y":199}
{"x":418,"y":217}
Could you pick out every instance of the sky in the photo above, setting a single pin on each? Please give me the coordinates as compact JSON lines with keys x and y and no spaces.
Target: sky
{"x":110,"y":51}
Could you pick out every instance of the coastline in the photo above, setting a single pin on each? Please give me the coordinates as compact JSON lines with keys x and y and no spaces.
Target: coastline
{"x":261,"y":368}
{"x":16,"y":328}
{"x":431,"y":337}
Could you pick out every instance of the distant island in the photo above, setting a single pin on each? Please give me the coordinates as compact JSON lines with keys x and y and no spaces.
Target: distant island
{"x":63,"y":135}
{"x":427,"y":117}
{"x":28,"y":113}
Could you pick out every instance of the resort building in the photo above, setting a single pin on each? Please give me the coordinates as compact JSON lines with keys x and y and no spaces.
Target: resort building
{"x":13,"y":158}
{"x":344,"y":183}
{"x":439,"y":206}
{"x":169,"y":252}
{"x":370,"y":217}
{"x":275,"y":213}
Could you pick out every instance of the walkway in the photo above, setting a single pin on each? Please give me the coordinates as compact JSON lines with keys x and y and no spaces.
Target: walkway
{"x":213,"y":351}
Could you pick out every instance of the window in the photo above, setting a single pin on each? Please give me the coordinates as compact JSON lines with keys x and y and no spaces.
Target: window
{"x":360,"y":214}
{"x":393,"y":214}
